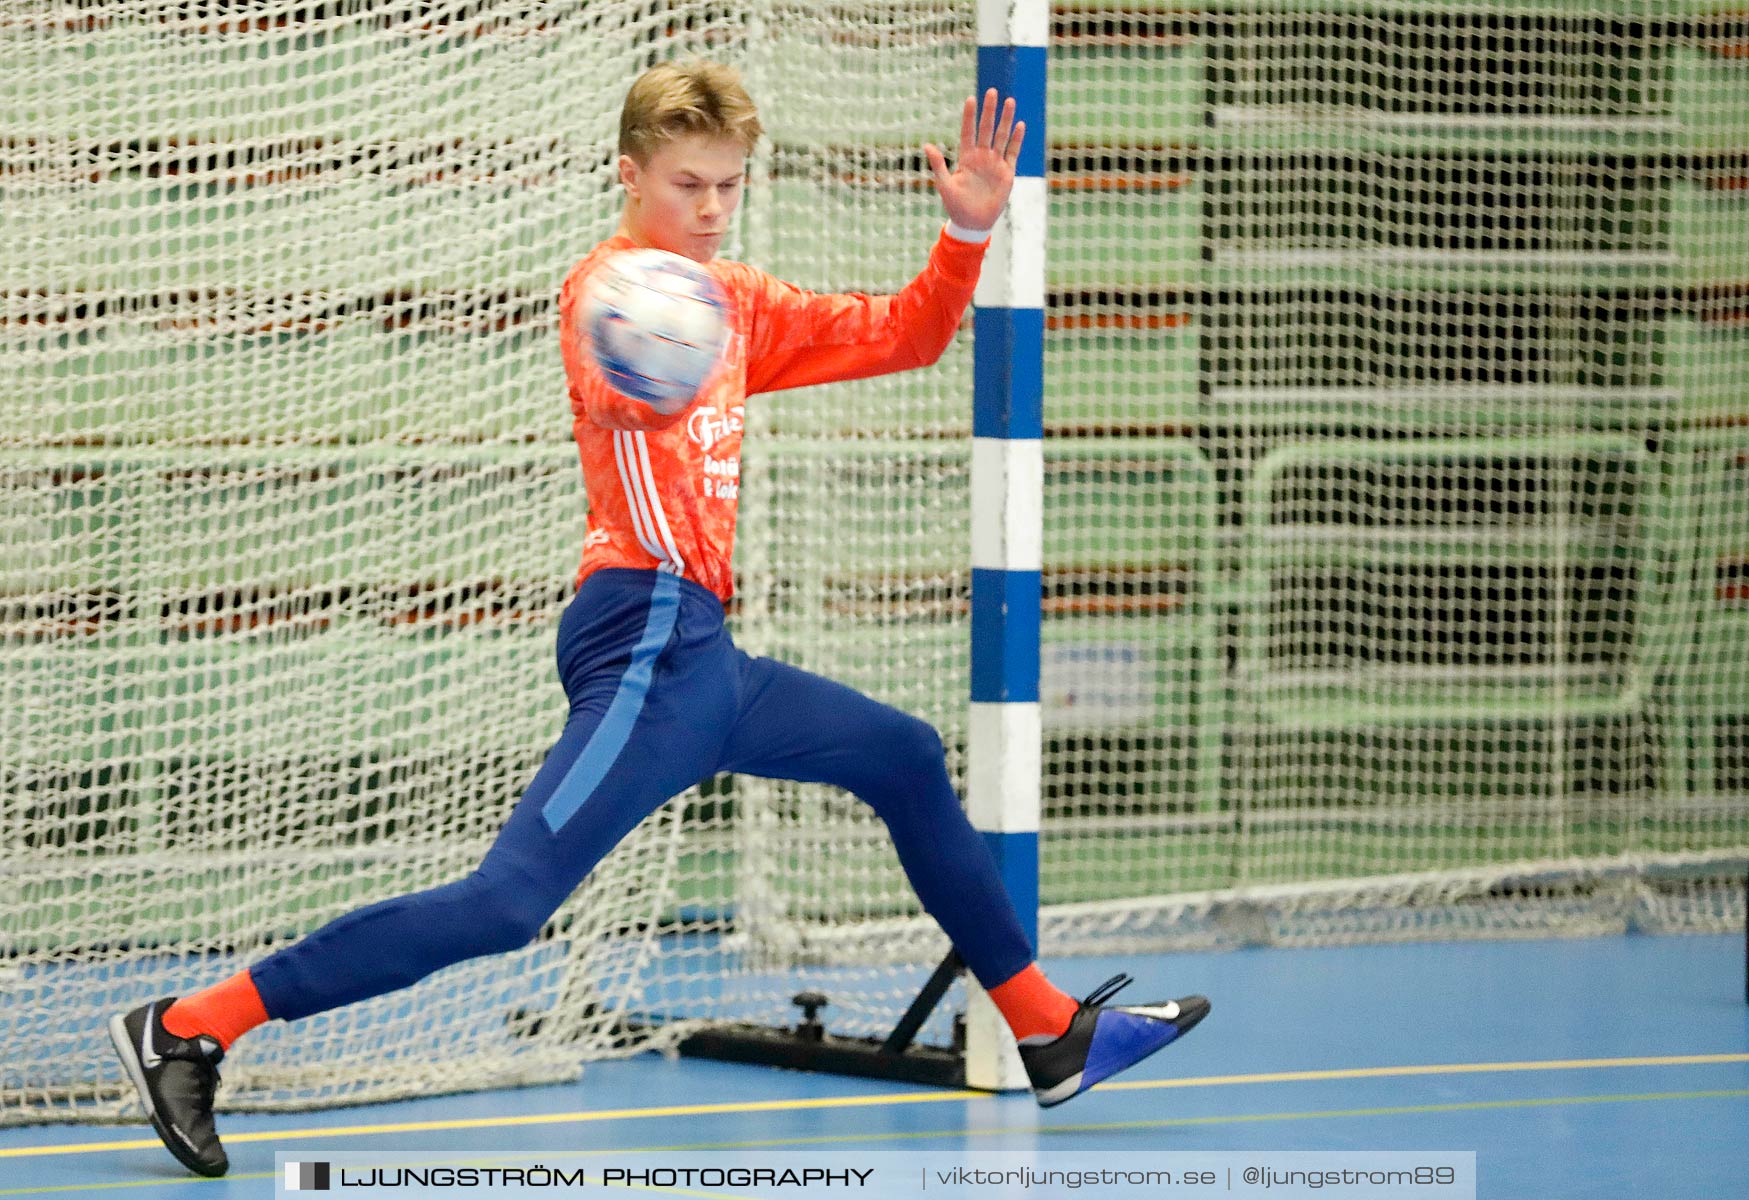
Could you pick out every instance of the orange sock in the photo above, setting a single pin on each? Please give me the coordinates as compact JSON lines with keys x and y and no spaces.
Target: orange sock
{"x":1032,"y":1005}
{"x":226,"y":1011}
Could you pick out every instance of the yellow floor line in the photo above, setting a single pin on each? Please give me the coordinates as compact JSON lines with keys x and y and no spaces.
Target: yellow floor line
{"x":831,"y":1102}
{"x":1553,"y":1064}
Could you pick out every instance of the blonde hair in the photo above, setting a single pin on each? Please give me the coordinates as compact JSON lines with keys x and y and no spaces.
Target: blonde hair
{"x":671,"y":100}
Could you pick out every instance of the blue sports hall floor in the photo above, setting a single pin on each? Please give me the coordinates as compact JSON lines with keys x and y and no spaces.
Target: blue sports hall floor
{"x":1607,"y":1067}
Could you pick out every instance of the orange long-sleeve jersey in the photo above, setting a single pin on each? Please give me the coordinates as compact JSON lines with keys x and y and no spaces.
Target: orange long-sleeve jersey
{"x":663,"y":490}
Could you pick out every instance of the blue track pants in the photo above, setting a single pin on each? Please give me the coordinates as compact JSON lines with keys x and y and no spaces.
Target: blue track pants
{"x":661,"y":699}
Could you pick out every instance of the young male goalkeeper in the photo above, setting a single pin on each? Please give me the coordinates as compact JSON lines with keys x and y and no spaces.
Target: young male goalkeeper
{"x":660,"y":698}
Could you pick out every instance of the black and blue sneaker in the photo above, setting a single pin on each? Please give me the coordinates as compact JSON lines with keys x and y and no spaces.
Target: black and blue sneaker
{"x":1103,"y":1040}
{"x":176,"y":1078}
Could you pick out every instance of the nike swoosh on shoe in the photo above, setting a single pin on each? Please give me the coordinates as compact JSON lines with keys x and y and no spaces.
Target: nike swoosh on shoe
{"x":1168,"y":1011}
{"x":149,"y":1057}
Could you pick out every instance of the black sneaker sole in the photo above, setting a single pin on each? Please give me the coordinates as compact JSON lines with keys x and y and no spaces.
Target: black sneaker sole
{"x":130,"y":1061}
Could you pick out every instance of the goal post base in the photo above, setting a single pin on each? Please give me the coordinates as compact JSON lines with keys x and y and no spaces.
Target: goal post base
{"x":808,"y":1047}
{"x":830,"y":1054}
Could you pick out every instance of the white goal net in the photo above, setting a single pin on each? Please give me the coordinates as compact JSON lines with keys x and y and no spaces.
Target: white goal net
{"x":1406,"y":416}
{"x":1397,"y":498}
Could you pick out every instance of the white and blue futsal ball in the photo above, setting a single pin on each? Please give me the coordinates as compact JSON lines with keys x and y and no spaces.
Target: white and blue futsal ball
{"x":656,"y":324}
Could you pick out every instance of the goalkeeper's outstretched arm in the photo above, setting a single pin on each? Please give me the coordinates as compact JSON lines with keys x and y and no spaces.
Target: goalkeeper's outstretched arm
{"x":800,"y":338}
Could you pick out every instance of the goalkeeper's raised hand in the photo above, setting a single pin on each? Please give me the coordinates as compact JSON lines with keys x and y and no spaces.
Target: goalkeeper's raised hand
{"x":977,"y":187}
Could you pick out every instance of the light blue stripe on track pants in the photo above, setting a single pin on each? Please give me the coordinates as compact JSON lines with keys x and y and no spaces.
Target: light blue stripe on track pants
{"x":661,"y":699}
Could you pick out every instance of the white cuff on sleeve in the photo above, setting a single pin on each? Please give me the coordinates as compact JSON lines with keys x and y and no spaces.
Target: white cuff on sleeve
{"x":960,"y":233}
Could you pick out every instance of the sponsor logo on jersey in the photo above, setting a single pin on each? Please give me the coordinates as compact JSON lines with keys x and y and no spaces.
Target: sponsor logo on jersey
{"x":722,"y":478}
{"x":708,"y":426}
